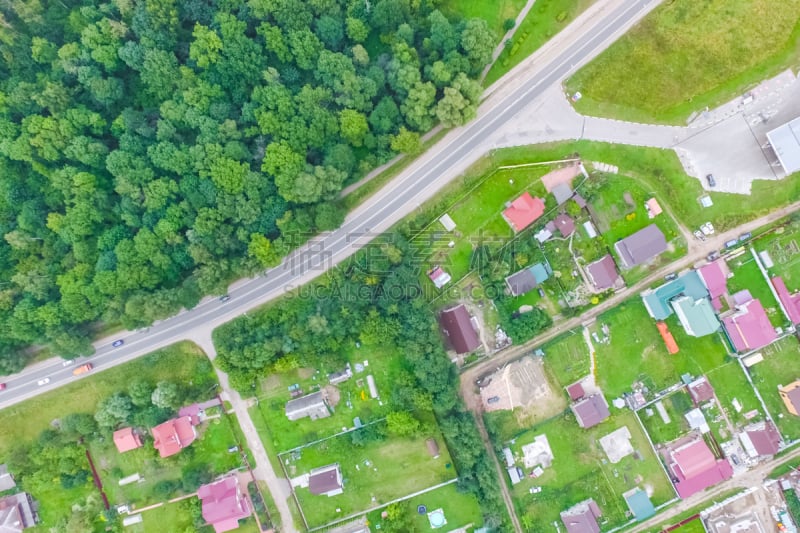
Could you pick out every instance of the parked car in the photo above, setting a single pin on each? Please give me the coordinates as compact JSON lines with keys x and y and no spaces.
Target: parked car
{"x":2,"y":386}
{"x":44,"y":381}
{"x":731,"y":243}
{"x":67,"y":362}
{"x":744,"y":236}
{"x":707,"y":229}
{"x":713,"y":256}
{"x":670,"y":277}
{"x":117,"y":343}
{"x":711,"y":181}
{"x":493,"y":399}
{"x":224,"y":297}
{"x":699,"y":235}
{"x":541,"y":292}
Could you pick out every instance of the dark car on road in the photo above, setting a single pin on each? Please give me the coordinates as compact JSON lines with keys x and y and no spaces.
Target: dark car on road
{"x":117,"y":343}
{"x":224,"y":298}
{"x":711,"y":181}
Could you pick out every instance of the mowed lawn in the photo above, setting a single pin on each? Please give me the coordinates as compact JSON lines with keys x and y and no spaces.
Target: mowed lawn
{"x":636,"y":352}
{"x":747,"y":275}
{"x":687,"y":55}
{"x":177,"y":517}
{"x":179,"y":363}
{"x":545,"y":19}
{"x":581,"y":470}
{"x":460,"y":509}
{"x":781,"y":366}
{"x":376,"y":473}
{"x":676,"y":405}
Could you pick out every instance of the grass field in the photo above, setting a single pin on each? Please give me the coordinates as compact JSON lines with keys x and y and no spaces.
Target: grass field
{"x":177,"y":517}
{"x":581,"y":470}
{"x":494,"y":13}
{"x":676,"y":405}
{"x":460,"y":509}
{"x":660,"y":171}
{"x":636,"y":352}
{"x":781,"y":366}
{"x":544,"y":20}
{"x":567,"y":358}
{"x":687,"y":55}
{"x":784,"y":250}
{"x":180,"y":363}
{"x":730,"y":384}
{"x":747,"y":275}
{"x":375,"y":473}
{"x":285,"y":434}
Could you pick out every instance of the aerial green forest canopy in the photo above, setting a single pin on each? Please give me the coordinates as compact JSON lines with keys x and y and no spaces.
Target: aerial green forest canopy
{"x":151,"y":151}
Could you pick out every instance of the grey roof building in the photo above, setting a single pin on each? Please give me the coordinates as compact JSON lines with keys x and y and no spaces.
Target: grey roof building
{"x":311,"y":405}
{"x":6,"y":480}
{"x":785,"y":141}
{"x":16,"y":513}
{"x":642,"y":246}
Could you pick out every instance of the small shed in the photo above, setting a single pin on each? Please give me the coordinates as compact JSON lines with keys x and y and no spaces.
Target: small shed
{"x":373,"y":390}
{"x":131,"y":520}
{"x":447,"y":222}
{"x":591,"y":232}
{"x":433,"y":447}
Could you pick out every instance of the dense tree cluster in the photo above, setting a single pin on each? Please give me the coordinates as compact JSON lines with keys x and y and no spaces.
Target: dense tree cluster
{"x":152,"y":150}
{"x":374,"y":299}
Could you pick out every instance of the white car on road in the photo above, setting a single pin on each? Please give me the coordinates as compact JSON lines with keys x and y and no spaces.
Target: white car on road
{"x":44,"y":381}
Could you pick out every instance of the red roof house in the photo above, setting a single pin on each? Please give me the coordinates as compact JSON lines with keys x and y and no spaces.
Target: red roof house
{"x":576,"y":391}
{"x":701,"y":390}
{"x":173,"y":435}
{"x":126,"y":439}
{"x":695,"y":468}
{"x":790,"y":302}
{"x":749,"y":327}
{"x":523,"y":211}
{"x":715,"y":278}
{"x":223,"y":504}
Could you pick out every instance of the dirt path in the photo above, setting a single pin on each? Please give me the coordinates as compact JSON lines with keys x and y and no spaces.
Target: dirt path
{"x":698,"y":253}
{"x":508,"y":36}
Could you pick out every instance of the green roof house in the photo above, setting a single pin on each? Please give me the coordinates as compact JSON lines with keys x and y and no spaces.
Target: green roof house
{"x":697,"y":316}
{"x":657,"y":300}
{"x":639,"y":503}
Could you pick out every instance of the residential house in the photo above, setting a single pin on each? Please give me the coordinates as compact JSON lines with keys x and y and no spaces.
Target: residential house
{"x":641,"y":247}
{"x":639,"y":504}
{"x":326,"y":481}
{"x":700,"y":390}
{"x":582,"y":517}
{"x":334,"y":378}
{"x":527,"y":279}
{"x":694,"y":467}
{"x":523,"y":211}
{"x":313,"y":405}
{"x":748,"y":328}
{"x":696,"y":316}
{"x":714,"y":276}
{"x":591,"y":411}
{"x":564,"y":224}
{"x":603,"y":273}
{"x":790,"y":302}
{"x":761,"y":439}
{"x":223,"y":504}
{"x":173,"y":435}
{"x":790,"y":394}
{"x":126,"y":439}
{"x":658,"y":301}
{"x":460,"y":330}
{"x":562,"y":192}
{"x":17,"y":513}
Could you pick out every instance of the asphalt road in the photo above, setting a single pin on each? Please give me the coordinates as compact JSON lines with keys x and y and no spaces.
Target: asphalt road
{"x":418,"y":183}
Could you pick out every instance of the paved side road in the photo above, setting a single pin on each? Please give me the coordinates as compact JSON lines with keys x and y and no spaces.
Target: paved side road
{"x":263,"y":471}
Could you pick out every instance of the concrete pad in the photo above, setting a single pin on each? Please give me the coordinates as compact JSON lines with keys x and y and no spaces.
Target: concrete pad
{"x":617,"y":444}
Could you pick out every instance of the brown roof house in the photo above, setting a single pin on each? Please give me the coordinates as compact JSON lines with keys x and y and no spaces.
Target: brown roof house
{"x":326,"y":480}
{"x":460,"y":329}
{"x":312,"y":405}
{"x":701,"y":390}
{"x":642,"y":246}
{"x":760,"y":439}
{"x":591,"y":411}
{"x":582,"y":517}
{"x":564,"y":224}
{"x":790,"y":394}
{"x":603,"y":273}
{"x":16,"y":513}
